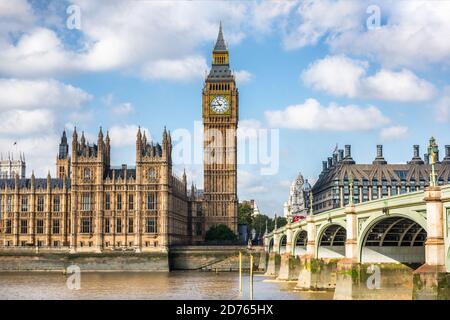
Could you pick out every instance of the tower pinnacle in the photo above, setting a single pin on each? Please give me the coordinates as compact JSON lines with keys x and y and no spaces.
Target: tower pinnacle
{"x":220,"y":43}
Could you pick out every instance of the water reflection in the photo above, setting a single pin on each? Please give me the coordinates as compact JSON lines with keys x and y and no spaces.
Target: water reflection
{"x":126,"y":285}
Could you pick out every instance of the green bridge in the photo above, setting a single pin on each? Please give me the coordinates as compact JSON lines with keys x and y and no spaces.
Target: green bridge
{"x":395,"y":248}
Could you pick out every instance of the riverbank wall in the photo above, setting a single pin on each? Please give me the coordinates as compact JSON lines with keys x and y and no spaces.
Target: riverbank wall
{"x":214,"y":258}
{"x":206,"y":258}
{"x":87,"y":262}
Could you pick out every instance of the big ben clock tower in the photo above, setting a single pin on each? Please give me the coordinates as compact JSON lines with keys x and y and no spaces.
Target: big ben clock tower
{"x":220,"y":105}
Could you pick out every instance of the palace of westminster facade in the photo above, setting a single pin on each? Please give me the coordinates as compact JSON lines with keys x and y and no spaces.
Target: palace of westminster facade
{"x":91,"y":206}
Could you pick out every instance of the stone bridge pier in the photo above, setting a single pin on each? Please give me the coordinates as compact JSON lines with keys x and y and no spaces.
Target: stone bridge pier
{"x":393,"y":248}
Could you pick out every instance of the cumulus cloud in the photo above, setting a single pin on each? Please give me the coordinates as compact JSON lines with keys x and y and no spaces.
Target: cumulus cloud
{"x":410,"y":35}
{"x":311,"y":115}
{"x":314,"y":20}
{"x":40,"y":151}
{"x":393,"y":133}
{"x":33,"y":113}
{"x":123,"y":35}
{"x":442,"y":108}
{"x":20,"y":122}
{"x":337,"y":75}
{"x":342,"y":76}
{"x":243,"y":76}
{"x":32,"y":94}
{"x":415,"y":27}
{"x":179,"y":69}
{"x":122,"y":136}
{"x":124,"y":108}
{"x":120,"y":109}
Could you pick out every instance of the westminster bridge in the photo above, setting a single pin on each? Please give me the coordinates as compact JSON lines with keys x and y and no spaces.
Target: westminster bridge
{"x":393,"y":247}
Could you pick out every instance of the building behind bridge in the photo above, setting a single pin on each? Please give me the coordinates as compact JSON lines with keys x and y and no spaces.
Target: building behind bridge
{"x":373,"y":181}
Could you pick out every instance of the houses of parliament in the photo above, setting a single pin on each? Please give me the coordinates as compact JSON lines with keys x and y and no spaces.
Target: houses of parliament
{"x":91,"y":206}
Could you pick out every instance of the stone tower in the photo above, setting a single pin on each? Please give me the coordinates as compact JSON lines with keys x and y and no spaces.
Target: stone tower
{"x":220,"y":106}
{"x":63,"y":158}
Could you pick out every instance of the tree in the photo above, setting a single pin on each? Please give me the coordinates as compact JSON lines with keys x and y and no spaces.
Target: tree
{"x":259,"y":224}
{"x":245,"y":214}
{"x":281,"y":221}
{"x":220,"y":232}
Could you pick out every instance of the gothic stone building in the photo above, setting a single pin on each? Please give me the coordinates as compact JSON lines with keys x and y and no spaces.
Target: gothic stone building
{"x":93,"y":206}
{"x":373,"y":181}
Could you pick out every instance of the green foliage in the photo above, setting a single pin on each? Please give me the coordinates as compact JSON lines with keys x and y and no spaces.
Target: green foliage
{"x":245,"y":214}
{"x":220,"y":232}
{"x":257,"y":222}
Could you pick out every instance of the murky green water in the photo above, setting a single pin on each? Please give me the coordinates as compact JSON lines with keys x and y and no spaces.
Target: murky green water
{"x":126,"y":285}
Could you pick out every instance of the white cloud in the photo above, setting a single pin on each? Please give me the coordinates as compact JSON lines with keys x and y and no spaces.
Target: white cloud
{"x":123,"y":109}
{"x":144,"y":38}
{"x":40,"y":151}
{"x":14,"y":15}
{"x":442,"y":108}
{"x":403,"y":86}
{"x":411,"y":34}
{"x":243,"y":76}
{"x":120,"y":109}
{"x":314,"y":19}
{"x":393,"y":133}
{"x":32,"y":94}
{"x":33,"y":113}
{"x":312,"y":116}
{"x":249,"y":184}
{"x":180,"y":69}
{"x":265,"y":13}
{"x":20,"y":122}
{"x":337,"y":75}
{"x":122,"y":136}
{"x":342,"y":76}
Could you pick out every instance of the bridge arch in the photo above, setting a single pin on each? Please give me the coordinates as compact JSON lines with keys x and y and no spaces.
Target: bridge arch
{"x":282,"y":244}
{"x":331,"y":240}
{"x":299,"y":241}
{"x":270,"y":246}
{"x":393,"y":238}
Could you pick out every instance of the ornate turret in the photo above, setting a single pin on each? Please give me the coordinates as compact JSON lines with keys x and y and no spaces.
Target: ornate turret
{"x":139,"y":144}
{"x":82,"y":140}
{"x":108,"y":148}
{"x":63,"y":147}
{"x":74,"y":144}
{"x":100,"y":144}
{"x":63,"y":158}
{"x":33,"y":180}
{"x":49,"y":180}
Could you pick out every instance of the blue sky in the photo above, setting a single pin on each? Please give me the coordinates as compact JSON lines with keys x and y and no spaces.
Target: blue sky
{"x":321,"y":73}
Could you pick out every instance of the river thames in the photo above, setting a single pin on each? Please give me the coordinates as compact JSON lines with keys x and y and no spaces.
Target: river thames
{"x":179,"y":285}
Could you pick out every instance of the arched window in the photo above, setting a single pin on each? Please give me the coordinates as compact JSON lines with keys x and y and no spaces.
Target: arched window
{"x":87,"y":173}
{"x":152,"y":174}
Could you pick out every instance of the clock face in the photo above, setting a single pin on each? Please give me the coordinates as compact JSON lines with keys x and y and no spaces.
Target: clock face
{"x":219,"y":104}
